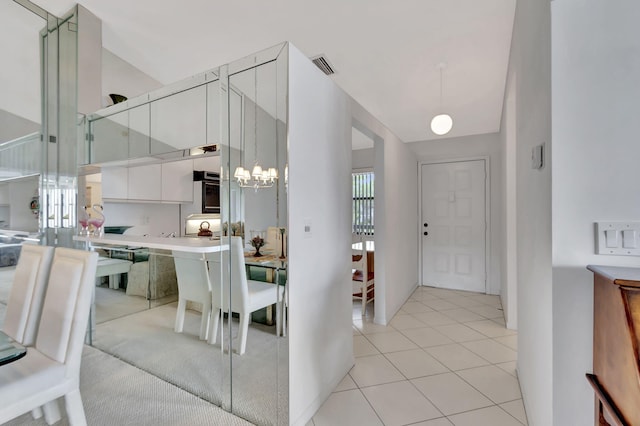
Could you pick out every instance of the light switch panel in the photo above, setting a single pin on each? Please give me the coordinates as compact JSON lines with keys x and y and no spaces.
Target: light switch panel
{"x":537,"y":157}
{"x":618,"y":238}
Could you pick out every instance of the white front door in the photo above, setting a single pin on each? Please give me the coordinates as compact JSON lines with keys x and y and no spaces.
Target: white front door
{"x":453,"y":225}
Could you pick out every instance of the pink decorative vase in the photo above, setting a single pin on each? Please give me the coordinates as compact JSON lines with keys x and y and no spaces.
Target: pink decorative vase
{"x":83,"y":221}
{"x":97,"y":221}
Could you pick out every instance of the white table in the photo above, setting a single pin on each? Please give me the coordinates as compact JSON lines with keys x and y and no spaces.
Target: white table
{"x":129,"y":242}
{"x":188,"y":244}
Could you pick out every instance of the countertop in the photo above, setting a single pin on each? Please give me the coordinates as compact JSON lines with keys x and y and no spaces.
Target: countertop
{"x":186,"y":244}
{"x":620,"y":275}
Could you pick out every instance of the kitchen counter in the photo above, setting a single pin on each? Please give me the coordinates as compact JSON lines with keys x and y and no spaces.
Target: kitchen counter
{"x":185,"y":244}
{"x":620,"y":275}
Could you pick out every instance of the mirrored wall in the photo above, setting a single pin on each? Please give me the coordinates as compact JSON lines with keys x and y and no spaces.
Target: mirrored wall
{"x":38,"y":128}
{"x":193,"y":246}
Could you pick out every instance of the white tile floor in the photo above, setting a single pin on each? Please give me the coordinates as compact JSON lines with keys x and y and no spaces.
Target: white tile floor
{"x":446,"y":359}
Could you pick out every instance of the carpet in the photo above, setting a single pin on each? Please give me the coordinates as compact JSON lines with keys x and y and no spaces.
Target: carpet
{"x":158,"y":377}
{"x":115,"y":393}
{"x":259,"y":391}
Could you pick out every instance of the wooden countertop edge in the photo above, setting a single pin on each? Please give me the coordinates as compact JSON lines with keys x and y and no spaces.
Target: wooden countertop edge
{"x":620,"y":275}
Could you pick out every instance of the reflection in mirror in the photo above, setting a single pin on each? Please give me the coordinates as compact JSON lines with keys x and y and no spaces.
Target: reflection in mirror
{"x":179,"y":121}
{"x":110,"y":138}
{"x":20,"y":112}
{"x":139,"y":131}
{"x":258,"y":136}
{"x":160,"y":300}
{"x":18,"y":204}
{"x":20,"y":144}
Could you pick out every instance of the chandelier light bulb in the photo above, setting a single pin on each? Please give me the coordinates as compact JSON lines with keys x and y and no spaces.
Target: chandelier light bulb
{"x":257,"y":171}
{"x":239,"y":173}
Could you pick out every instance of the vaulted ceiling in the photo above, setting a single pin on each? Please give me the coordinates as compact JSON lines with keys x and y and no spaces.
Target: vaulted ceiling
{"x":385,"y":53}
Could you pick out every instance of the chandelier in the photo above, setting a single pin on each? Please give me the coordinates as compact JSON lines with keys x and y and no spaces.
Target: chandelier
{"x":258,"y":178}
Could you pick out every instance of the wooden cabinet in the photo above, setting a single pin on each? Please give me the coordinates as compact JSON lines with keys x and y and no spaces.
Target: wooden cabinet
{"x":177,"y":181}
{"x":616,"y":334}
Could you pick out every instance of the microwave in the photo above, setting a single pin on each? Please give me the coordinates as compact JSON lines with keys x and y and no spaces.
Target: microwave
{"x":210,"y":190}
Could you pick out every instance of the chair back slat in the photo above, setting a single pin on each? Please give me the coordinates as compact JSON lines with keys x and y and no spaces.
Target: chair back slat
{"x":65,"y":312}
{"x":24,"y":305}
{"x":222,"y":276}
{"x":192,"y":274}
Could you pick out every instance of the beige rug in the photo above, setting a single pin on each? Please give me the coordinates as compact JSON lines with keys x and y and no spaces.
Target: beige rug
{"x":260,"y":377}
{"x":115,"y":393}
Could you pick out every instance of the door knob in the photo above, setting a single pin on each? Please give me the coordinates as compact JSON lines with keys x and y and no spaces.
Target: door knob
{"x":426,"y":224}
{"x":426,"y":233}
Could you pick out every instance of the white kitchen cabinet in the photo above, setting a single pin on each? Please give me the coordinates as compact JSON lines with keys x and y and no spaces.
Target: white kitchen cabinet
{"x":177,"y":181}
{"x":115,"y":183}
{"x":145,"y":183}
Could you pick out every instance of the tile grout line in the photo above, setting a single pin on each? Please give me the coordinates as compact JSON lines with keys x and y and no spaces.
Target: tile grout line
{"x":450,"y":371}
{"x":423,"y":349}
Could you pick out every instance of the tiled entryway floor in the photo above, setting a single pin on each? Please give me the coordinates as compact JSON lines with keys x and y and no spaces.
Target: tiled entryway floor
{"x":446,"y":359}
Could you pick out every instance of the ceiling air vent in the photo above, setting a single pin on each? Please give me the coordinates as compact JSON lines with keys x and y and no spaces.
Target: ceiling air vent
{"x":324,"y":65}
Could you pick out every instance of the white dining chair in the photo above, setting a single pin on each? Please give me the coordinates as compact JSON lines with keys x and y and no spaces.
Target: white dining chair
{"x":247,"y":296}
{"x":362,"y":279}
{"x":24,"y":305}
{"x":194,"y":286}
{"x":51,"y":369}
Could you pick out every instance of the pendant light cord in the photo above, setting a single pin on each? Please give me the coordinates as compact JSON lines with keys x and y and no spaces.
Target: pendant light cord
{"x":440,"y":87}
{"x":255,"y":110}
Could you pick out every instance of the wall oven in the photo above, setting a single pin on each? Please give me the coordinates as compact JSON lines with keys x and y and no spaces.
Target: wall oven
{"x":210,"y":190}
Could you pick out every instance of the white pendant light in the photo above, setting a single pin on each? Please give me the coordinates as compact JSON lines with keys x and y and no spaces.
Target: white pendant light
{"x":441,"y":124}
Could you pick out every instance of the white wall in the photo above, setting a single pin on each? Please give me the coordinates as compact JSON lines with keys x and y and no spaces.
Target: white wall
{"x":320,"y":334}
{"x":122,"y":78}
{"x":596,"y":81}
{"x":13,"y":126}
{"x":18,"y":194}
{"x":396,"y":207}
{"x":363,"y":158}
{"x":89,"y":73}
{"x":508,"y":226}
{"x":487,"y":145}
{"x":20,"y":73}
{"x":530,"y":60}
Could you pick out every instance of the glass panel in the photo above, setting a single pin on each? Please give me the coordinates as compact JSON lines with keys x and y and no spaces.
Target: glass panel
{"x":220,"y":262}
{"x":58,"y":187}
{"x":259,"y":140}
{"x":244,"y":116}
{"x":110,"y":138}
{"x":21,"y":157}
{"x":179,"y":121}
{"x":139,"y":131}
